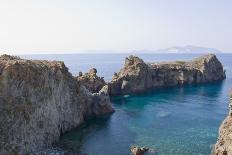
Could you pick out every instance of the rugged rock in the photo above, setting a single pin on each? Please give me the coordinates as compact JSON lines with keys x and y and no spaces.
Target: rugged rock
{"x":224,"y":142}
{"x":39,"y":100}
{"x":91,"y":81}
{"x":135,"y":150}
{"x":137,"y":76}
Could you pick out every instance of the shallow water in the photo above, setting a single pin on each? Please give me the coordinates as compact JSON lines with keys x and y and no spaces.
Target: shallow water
{"x":173,"y":121}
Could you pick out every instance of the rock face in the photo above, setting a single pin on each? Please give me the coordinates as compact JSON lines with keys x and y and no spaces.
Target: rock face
{"x":224,"y":143}
{"x":39,"y":100}
{"x":138,"y":76}
{"x":91,"y":81}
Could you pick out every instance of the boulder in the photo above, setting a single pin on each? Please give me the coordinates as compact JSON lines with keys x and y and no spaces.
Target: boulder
{"x":135,"y":150}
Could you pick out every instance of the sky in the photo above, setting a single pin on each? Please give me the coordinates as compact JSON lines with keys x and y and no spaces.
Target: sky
{"x":70,"y":26}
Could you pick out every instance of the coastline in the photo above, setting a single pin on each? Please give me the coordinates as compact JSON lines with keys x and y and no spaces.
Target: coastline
{"x":87,"y":110}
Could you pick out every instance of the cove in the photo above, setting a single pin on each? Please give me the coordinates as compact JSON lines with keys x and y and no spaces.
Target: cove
{"x":177,"y":120}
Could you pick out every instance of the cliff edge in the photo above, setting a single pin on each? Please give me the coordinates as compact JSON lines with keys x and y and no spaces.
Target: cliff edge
{"x":138,"y":76}
{"x":39,"y":100}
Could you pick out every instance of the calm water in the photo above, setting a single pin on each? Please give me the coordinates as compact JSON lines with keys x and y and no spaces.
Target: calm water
{"x":175,"y":121}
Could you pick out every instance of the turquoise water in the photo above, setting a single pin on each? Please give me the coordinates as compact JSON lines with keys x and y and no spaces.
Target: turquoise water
{"x":173,"y":121}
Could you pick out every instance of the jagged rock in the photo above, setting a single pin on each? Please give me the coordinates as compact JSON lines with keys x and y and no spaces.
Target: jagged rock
{"x":80,"y":73}
{"x":9,"y":57}
{"x":93,"y":71}
{"x":98,"y":103}
{"x":39,"y":100}
{"x":224,"y":142}
{"x":138,"y":76}
{"x":135,"y":150}
{"x":91,"y":81}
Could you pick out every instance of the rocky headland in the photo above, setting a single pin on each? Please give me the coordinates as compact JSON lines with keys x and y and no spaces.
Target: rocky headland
{"x":138,"y":76}
{"x":224,"y":142}
{"x":40,"y":100}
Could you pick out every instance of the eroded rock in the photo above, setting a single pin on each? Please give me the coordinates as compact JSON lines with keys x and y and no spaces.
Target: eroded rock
{"x":91,"y":81}
{"x":39,"y":100}
{"x":224,"y":142}
{"x":138,"y":76}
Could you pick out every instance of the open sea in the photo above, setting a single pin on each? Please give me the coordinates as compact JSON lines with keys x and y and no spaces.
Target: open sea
{"x":173,"y":121}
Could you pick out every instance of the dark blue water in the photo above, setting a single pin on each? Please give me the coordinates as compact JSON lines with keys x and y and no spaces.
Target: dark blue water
{"x":173,"y":121}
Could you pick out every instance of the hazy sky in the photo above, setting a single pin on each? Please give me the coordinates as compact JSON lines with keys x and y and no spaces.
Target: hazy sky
{"x":58,"y":26}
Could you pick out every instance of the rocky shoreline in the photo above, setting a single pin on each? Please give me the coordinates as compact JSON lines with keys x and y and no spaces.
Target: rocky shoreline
{"x":40,"y":100}
{"x":224,"y":142}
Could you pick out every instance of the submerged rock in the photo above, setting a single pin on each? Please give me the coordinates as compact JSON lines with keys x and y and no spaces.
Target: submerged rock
{"x":40,"y":100}
{"x":135,"y":150}
{"x":138,"y":76}
{"x":224,"y":142}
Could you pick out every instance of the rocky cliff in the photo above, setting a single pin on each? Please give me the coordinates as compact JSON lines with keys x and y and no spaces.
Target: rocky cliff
{"x":39,"y":100}
{"x":224,"y":143}
{"x":137,"y":76}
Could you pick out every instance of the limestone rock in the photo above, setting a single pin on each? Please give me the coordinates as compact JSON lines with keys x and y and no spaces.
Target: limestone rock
{"x":224,"y":142}
{"x":137,"y":76}
{"x":39,"y":100}
{"x":98,"y":103}
{"x":91,"y":81}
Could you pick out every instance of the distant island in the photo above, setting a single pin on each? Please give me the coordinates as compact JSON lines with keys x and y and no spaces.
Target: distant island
{"x":188,"y":49}
{"x":182,"y":49}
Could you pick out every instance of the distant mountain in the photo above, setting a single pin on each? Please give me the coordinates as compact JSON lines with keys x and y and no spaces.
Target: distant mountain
{"x":188,"y":49}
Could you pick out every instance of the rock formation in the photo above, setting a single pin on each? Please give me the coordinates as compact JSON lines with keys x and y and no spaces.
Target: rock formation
{"x":135,"y":150}
{"x":138,"y":76}
{"x":91,"y":81}
{"x":39,"y":100}
{"x":224,"y":143}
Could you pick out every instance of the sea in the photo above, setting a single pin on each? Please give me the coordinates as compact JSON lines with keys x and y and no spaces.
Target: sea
{"x":171,"y":121}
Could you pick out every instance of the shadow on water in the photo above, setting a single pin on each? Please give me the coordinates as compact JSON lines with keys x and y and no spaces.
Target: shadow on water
{"x":74,"y":139}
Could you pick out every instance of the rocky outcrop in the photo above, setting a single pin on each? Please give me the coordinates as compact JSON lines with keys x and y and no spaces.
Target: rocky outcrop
{"x":138,"y":76}
{"x":91,"y":81}
{"x":39,"y":100}
{"x":224,"y":142}
{"x":135,"y":150}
